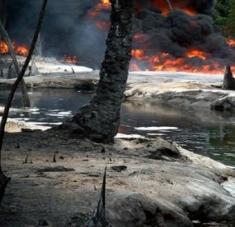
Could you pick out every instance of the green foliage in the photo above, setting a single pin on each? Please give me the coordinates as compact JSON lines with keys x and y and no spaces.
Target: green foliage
{"x":230,"y":22}
{"x":221,"y":12}
{"x":224,"y":16}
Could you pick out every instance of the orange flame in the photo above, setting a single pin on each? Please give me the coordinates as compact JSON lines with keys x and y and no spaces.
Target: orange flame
{"x":231,"y":42}
{"x":196,"y":54}
{"x":3,"y":48}
{"x":195,"y":61}
{"x":103,"y":5}
{"x":138,"y":54}
{"x":21,"y":50}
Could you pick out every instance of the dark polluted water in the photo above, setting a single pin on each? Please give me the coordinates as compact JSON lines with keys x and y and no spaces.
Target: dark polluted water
{"x":204,"y":132}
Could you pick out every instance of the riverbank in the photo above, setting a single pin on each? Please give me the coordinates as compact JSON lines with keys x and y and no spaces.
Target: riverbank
{"x":180,"y":90}
{"x":56,"y":179}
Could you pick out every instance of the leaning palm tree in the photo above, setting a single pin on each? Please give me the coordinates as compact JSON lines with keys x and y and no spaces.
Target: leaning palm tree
{"x":99,"y":121}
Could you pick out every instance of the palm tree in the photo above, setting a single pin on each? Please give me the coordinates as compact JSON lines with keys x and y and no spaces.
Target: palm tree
{"x":99,"y":121}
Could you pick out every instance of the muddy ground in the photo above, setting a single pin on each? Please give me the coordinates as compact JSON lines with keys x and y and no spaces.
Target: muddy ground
{"x":56,"y":181}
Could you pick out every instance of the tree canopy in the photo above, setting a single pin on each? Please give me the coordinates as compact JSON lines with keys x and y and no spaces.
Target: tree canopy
{"x":225,"y":16}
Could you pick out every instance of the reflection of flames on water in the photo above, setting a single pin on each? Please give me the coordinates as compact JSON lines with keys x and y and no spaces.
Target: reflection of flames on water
{"x":21,"y":50}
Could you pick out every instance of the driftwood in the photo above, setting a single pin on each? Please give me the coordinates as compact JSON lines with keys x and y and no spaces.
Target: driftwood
{"x":3,"y":179}
{"x":229,"y":80}
{"x":99,"y":219}
{"x":5,"y":36}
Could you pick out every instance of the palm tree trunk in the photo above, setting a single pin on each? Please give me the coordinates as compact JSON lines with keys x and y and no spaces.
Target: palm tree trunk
{"x":99,"y":121}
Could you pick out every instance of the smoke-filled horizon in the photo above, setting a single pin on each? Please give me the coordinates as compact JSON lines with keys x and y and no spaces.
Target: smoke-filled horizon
{"x":79,"y":28}
{"x":67,"y":29}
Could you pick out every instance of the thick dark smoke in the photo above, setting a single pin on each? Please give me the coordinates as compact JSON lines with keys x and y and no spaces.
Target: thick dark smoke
{"x":202,"y":6}
{"x":69,"y":30}
{"x":179,"y":32}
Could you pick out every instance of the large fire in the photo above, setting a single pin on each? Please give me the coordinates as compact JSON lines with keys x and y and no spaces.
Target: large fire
{"x":143,"y":56}
{"x":194,"y":60}
{"x":21,"y":50}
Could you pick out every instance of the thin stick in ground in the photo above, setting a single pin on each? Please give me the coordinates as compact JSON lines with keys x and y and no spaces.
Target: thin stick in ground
{"x":99,"y":218}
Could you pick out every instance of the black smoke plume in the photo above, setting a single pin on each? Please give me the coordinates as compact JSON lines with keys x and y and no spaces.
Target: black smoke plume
{"x":69,"y":29}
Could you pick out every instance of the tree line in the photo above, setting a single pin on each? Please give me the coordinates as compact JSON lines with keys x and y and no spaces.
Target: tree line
{"x":224,"y":16}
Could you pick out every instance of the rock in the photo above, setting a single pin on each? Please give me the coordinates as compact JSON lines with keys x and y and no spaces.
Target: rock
{"x":103,"y":150}
{"x":127,"y":209}
{"x":164,"y":153}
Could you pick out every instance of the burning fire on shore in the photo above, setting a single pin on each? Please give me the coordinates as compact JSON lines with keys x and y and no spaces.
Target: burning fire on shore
{"x":146,"y":57}
{"x":21,"y":50}
{"x":170,"y":35}
{"x":194,"y":60}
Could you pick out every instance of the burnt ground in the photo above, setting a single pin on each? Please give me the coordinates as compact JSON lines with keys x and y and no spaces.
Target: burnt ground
{"x":56,"y":181}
